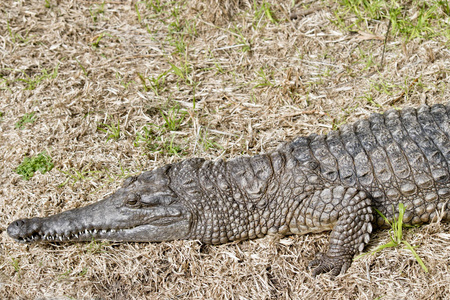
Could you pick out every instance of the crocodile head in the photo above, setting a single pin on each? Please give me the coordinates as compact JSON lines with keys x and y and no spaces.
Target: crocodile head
{"x":144,"y":209}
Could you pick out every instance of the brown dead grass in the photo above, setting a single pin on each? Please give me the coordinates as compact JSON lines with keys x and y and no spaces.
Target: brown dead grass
{"x":318,"y":81}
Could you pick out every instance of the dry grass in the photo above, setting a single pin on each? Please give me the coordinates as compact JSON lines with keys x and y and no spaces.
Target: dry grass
{"x":239,"y":84}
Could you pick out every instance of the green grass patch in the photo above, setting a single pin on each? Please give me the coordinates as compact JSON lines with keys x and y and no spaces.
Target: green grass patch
{"x":207,"y":142}
{"x":244,"y":43}
{"x":17,"y":37}
{"x":41,"y":162}
{"x":79,"y":175}
{"x":96,"y":43}
{"x":153,"y":142}
{"x":157,"y":138}
{"x":183,"y":72}
{"x":87,"y":173}
{"x":410,"y":20}
{"x":157,"y":84}
{"x":396,"y":236}
{"x":263,"y":11}
{"x":33,"y":81}
{"x":112,"y":130}
{"x":155,"y":5}
{"x":173,"y":118}
{"x":96,"y":11}
{"x":95,"y":247}
{"x":265,"y":78}
{"x":27,"y":118}
{"x":15,"y":262}
{"x":85,"y":72}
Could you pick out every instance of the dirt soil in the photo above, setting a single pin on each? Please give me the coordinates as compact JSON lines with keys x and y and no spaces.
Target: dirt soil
{"x":118,"y":87}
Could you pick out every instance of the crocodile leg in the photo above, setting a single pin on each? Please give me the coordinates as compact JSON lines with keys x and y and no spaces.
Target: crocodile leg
{"x":350,"y":233}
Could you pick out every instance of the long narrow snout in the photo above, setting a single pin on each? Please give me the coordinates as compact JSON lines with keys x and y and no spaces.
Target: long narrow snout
{"x":107,"y":219}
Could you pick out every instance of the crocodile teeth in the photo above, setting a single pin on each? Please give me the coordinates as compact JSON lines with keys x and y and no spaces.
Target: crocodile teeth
{"x":62,"y":237}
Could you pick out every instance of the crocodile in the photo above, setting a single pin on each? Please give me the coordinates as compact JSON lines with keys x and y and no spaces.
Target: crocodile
{"x":315,"y":183}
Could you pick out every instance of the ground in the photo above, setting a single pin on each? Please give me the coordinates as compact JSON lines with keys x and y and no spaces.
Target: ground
{"x":105,"y":90}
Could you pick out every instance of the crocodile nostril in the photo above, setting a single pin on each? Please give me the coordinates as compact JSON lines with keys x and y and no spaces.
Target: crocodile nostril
{"x":19,"y":223}
{"x":15,"y":228}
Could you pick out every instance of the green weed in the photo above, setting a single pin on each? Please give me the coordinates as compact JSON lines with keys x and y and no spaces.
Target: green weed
{"x":156,"y":84}
{"x":173,"y":118}
{"x":242,"y":41}
{"x":42,"y":163}
{"x":65,"y":274}
{"x":76,"y":175}
{"x":396,"y":236}
{"x":4,"y":84}
{"x":385,"y":87}
{"x":26,"y":118}
{"x":342,"y":119}
{"x":416,"y":19}
{"x":264,"y":79}
{"x":95,"y":12}
{"x":155,"y":5}
{"x":17,"y":37}
{"x":206,"y":142}
{"x":147,"y":137}
{"x":182,"y":72}
{"x":83,"y":271}
{"x":33,"y":82}
{"x":124,"y":83}
{"x":96,"y":44}
{"x":138,"y":13}
{"x":155,"y":143}
{"x":169,"y":148}
{"x":97,"y":246}
{"x":82,"y":67}
{"x":112,"y":130}
{"x":15,"y":262}
{"x":144,"y":83}
{"x":366,"y":59}
{"x":264,"y":10}
{"x":152,"y":136}
{"x":219,"y":68}
{"x":369,"y":99}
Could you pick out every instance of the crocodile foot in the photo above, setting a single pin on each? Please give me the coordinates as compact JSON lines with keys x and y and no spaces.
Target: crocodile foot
{"x":324,"y":263}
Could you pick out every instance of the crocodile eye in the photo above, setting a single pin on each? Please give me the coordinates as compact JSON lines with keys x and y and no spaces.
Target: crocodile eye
{"x":133,"y":200}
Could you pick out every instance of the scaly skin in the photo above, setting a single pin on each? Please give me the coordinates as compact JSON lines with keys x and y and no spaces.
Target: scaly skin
{"x":313,"y":184}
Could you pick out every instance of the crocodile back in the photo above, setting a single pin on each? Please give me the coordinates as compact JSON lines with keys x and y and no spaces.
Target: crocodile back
{"x":397,"y":157}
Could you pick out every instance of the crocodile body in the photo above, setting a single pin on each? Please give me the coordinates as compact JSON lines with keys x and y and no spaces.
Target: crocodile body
{"x":312,"y":184}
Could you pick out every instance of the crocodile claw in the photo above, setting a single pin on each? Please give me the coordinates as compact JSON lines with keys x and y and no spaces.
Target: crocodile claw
{"x":324,"y":263}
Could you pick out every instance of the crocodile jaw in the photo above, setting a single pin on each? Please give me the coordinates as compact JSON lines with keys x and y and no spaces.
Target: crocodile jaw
{"x":106,"y":220}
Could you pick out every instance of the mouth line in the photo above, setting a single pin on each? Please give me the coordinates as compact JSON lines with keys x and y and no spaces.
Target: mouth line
{"x":89,"y":234}
{"x":57,"y":237}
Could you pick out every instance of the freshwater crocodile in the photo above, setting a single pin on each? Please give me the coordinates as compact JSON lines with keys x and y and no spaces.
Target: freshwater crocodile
{"x":312,"y":184}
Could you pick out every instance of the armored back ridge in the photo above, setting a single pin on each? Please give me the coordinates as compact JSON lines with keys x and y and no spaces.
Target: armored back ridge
{"x":312,"y":184}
